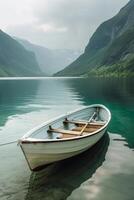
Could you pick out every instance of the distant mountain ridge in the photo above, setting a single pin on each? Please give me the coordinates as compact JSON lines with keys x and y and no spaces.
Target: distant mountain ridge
{"x":110,"y":50}
{"x":15,"y":60}
{"x":50,"y":60}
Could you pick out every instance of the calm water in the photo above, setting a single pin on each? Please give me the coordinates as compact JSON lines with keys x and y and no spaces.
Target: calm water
{"x":105,"y":172}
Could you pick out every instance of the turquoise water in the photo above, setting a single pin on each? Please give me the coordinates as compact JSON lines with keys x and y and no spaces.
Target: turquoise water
{"x":104,"y":172}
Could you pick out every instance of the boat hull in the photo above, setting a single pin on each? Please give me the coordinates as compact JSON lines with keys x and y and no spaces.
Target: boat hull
{"x":39,"y":154}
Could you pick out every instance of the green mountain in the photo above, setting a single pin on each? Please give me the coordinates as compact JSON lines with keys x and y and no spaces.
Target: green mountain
{"x":110,"y":51}
{"x":15,"y":60}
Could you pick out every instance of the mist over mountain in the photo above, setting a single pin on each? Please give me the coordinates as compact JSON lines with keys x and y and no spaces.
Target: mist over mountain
{"x":15,"y":60}
{"x":51,"y":60}
{"x":110,"y":50}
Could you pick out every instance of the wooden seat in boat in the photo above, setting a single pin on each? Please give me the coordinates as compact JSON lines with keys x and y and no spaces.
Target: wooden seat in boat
{"x":69,"y":132}
{"x":78,"y":122}
{"x":78,"y":130}
{"x":88,"y":129}
{"x":94,"y":126}
{"x":63,"y":136}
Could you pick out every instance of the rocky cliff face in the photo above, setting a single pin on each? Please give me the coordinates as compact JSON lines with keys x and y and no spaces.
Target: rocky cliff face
{"x":112,"y":43}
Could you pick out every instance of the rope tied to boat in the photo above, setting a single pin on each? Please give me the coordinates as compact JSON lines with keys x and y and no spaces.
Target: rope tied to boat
{"x":7,"y":143}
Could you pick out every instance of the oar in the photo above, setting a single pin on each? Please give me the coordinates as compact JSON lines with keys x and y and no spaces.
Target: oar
{"x":87,"y":123}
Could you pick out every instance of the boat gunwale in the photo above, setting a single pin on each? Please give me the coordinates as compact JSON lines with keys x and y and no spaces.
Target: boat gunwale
{"x":29,"y":140}
{"x":61,"y":140}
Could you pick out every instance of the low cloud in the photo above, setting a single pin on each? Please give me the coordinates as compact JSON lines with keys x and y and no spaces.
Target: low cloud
{"x":65,"y":24}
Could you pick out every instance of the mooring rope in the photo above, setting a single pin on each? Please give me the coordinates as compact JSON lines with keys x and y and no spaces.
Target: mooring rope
{"x":7,"y":143}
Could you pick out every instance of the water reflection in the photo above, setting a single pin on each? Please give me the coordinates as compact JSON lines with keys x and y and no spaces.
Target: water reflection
{"x":25,"y":104}
{"x":101,"y":90}
{"x":57,"y":181}
{"x":14,"y":93}
{"x":25,"y":96}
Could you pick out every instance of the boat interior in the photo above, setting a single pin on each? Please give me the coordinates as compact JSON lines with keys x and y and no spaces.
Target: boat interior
{"x":79,"y":128}
{"x":76,"y":124}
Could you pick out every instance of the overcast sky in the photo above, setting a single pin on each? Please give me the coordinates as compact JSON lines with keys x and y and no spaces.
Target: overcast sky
{"x":56,"y":23}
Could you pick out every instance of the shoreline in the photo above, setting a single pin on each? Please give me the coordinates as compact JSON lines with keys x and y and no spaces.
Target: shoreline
{"x":34,"y":78}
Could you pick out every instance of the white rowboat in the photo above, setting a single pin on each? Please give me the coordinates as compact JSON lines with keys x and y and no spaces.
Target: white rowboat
{"x":65,"y":136}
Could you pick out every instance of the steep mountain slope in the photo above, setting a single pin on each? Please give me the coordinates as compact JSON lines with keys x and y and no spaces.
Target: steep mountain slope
{"x":15,"y":60}
{"x":112,"y":45}
{"x":50,"y":60}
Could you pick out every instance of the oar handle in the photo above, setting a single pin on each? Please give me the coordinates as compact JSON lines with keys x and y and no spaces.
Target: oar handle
{"x":87,"y":123}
